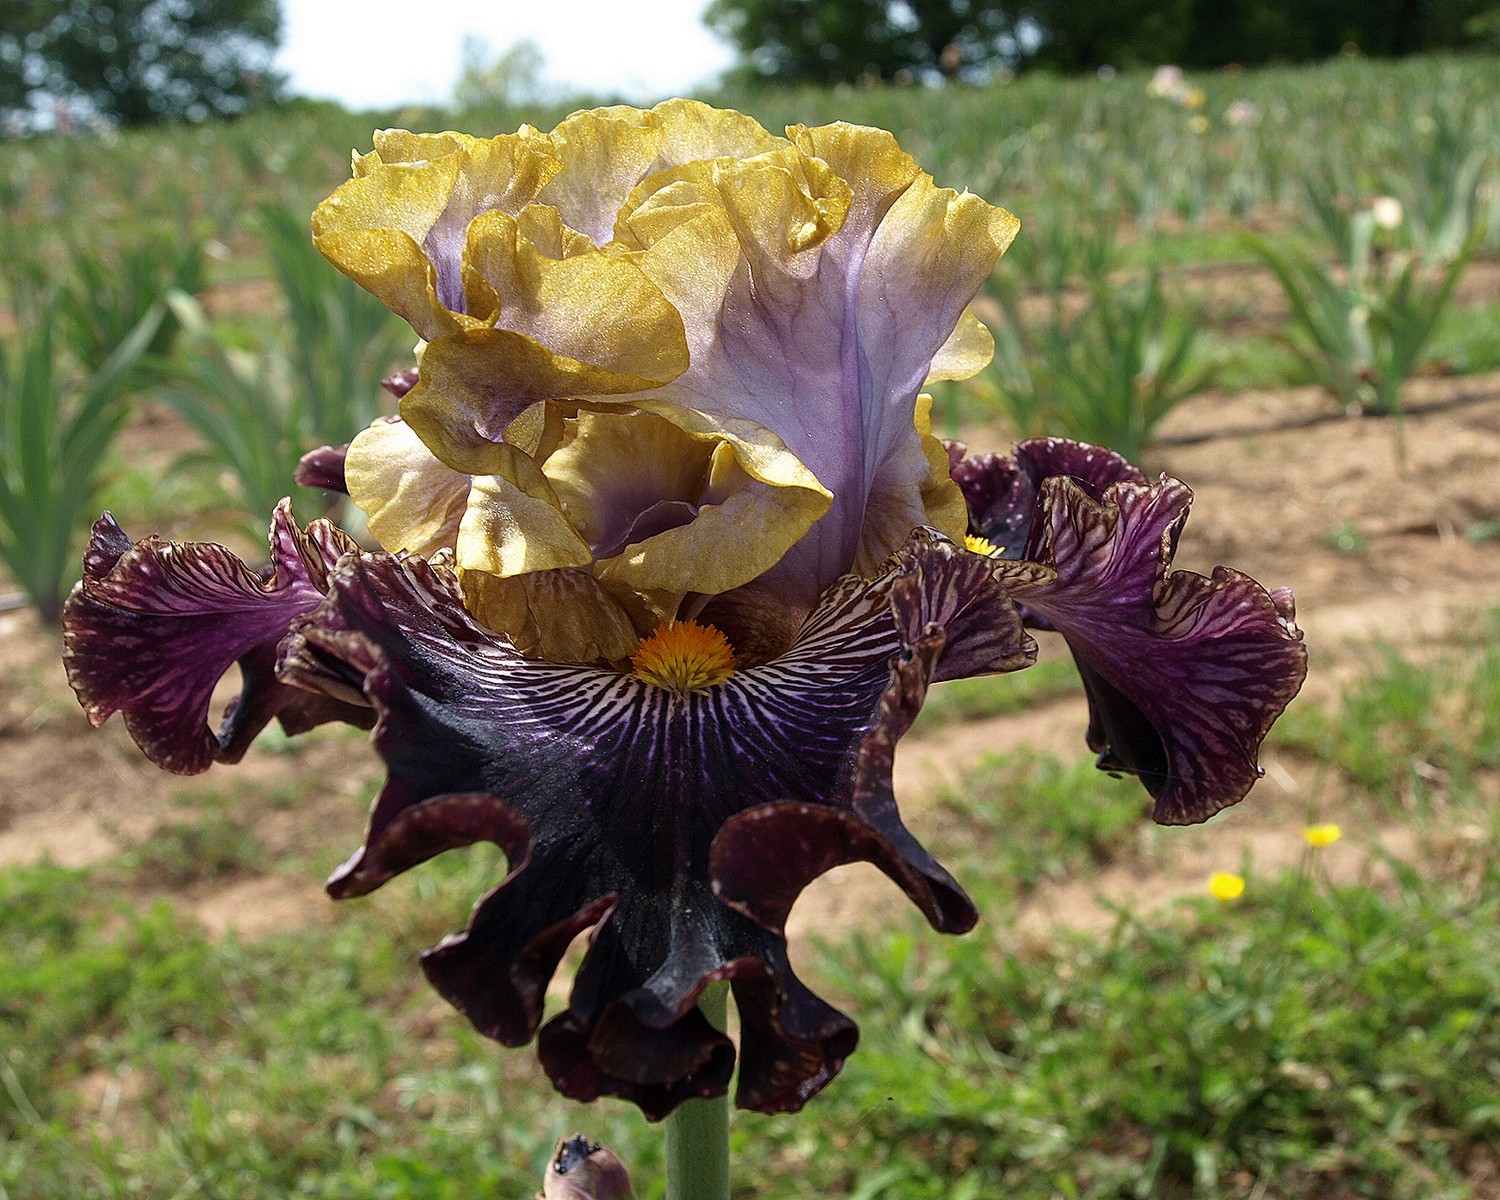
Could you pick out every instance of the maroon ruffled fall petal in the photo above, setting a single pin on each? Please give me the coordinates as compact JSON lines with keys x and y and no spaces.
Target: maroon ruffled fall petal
{"x":607,"y":795}
{"x":152,"y":627}
{"x":1185,"y":674}
{"x":1002,"y":492}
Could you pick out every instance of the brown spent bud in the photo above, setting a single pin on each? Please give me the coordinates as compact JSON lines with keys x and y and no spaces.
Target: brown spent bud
{"x":580,"y":1170}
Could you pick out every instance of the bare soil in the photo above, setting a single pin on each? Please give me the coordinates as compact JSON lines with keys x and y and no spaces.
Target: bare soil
{"x":1269,"y":497}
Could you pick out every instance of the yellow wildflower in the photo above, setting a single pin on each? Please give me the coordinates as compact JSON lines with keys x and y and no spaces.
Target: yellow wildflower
{"x":1224,"y":886}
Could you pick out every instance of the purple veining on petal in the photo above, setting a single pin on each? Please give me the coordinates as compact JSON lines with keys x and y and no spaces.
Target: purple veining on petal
{"x":153,"y":626}
{"x":1185,"y":673}
{"x":830,"y":348}
{"x":944,"y":591}
{"x":1002,"y":492}
{"x":607,"y":795}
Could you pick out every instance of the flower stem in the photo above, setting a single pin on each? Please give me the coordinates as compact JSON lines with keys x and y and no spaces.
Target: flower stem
{"x":698,"y":1130}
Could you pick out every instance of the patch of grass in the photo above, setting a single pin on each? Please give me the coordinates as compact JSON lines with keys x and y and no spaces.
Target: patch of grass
{"x":1346,"y":538}
{"x":1029,"y":819}
{"x":1467,"y":340}
{"x":1413,"y":734}
{"x":1186,"y":248}
{"x":1240,"y":362}
{"x":1305,"y":1041}
{"x":216,"y":845}
{"x":147,"y":498}
{"x":995,"y":695}
{"x":141,"y":1058}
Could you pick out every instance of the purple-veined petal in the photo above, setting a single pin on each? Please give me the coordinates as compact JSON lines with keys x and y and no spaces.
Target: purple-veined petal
{"x":815,"y":296}
{"x":1002,"y":492}
{"x":607,"y":795}
{"x":1184,"y":673}
{"x":152,"y":627}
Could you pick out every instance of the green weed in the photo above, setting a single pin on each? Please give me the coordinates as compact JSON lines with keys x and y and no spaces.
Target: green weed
{"x":1346,"y":538}
{"x":1362,"y":333}
{"x":56,"y":423}
{"x":994,"y":695}
{"x":1035,"y":820}
{"x":1306,"y":1040}
{"x":1409,"y":733}
{"x":108,"y":290}
{"x":1107,"y":373}
{"x":186,"y":852}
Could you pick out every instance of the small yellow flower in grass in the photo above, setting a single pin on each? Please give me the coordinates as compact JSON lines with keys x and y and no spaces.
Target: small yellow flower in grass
{"x":1200,"y":124}
{"x":1224,"y":886}
{"x":1318,"y":836}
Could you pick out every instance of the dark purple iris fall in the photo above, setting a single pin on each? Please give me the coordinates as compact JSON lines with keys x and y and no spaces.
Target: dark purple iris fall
{"x":679,"y":826}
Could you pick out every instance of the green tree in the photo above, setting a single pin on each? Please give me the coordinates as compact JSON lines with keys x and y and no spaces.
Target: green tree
{"x":1081,"y":35}
{"x":843,"y":41}
{"x":514,"y":78}
{"x":140,"y":61}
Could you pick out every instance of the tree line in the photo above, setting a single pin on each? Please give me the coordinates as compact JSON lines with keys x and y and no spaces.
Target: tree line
{"x":135,"y":62}
{"x":846,"y":41}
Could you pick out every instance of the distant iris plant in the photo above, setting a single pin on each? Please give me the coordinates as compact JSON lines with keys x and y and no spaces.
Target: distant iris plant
{"x":670,"y":559}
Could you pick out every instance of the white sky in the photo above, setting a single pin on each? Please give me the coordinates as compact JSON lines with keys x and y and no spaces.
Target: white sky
{"x":383,"y":53}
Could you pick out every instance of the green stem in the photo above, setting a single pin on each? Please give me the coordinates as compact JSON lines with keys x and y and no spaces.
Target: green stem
{"x":698,"y":1130}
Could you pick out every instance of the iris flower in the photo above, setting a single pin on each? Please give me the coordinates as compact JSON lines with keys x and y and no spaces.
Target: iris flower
{"x":670,"y":559}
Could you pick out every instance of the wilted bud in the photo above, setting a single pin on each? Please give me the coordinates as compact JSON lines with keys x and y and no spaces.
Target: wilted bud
{"x":580,"y":1170}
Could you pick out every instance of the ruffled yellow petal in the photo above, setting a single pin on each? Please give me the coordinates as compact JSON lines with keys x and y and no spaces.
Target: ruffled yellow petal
{"x":693,"y":131}
{"x":473,"y":384}
{"x":754,"y":499}
{"x":968,"y":350}
{"x":869,"y":159}
{"x":581,"y":621}
{"x":778,"y":204}
{"x":595,"y":308}
{"x":412,"y":502}
{"x":607,"y":152}
{"x":661,"y":504}
{"x":515,"y":523}
{"x":399,"y":227}
{"x":604,"y":153}
{"x":947,"y":511}
{"x":914,"y":491}
{"x":950,"y":236}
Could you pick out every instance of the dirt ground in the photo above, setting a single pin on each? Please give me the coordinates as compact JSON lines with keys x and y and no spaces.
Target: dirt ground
{"x":1278,"y":477}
